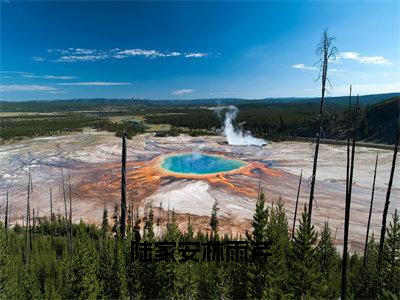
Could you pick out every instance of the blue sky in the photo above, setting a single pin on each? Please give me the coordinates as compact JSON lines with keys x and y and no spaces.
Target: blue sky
{"x":189,"y":50}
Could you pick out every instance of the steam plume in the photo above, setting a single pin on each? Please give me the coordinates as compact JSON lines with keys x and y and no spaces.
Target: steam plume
{"x":237,"y":136}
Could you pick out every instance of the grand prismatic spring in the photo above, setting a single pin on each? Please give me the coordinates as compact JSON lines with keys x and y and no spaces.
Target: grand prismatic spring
{"x":189,"y":174}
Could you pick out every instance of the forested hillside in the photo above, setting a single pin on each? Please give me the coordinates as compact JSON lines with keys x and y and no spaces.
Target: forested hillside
{"x":44,"y":260}
{"x":272,"y":120}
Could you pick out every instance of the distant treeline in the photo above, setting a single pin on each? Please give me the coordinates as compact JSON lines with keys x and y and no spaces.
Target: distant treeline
{"x":107,"y":104}
{"x":44,"y":260}
{"x":272,"y":121}
{"x":17,"y":127}
{"x":287,"y":121}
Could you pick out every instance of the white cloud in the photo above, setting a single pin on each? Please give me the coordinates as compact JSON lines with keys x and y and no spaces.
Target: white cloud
{"x":25,"y":88}
{"x":196,"y":54}
{"x":37,"y":58}
{"x":354,"y":56}
{"x":59,"y":77}
{"x":303,"y":67}
{"x":139,"y":52}
{"x":58,"y":92}
{"x":95,"y":83}
{"x":182,"y":91}
{"x":31,"y":75}
{"x":75,"y":58}
{"x":15,"y":72}
{"x":85,"y":55}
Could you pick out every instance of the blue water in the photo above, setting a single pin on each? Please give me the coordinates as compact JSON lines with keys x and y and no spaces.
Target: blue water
{"x":195,"y":163}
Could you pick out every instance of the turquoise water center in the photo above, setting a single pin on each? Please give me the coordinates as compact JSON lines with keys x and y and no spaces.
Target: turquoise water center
{"x":198,"y":163}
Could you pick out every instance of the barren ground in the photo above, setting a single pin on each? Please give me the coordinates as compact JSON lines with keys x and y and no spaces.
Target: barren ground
{"x":92,"y":160}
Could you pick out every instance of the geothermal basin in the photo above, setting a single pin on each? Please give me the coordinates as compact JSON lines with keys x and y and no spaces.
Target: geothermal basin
{"x":200,"y":163}
{"x":189,"y":174}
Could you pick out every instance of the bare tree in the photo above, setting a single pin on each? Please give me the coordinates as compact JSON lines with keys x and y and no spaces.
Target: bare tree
{"x":33,"y":223}
{"x":6,"y":217}
{"x":70,"y":215}
{"x":370,"y":212}
{"x":326,"y":52}
{"x":123,"y":188}
{"x":60,"y":155}
{"x":347,"y":208}
{"x":51,"y":218}
{"x":387,"y":202}
{"x":297,"y":204}
{"x":64,"y":194}
{"x":27,"y":223}
{"x":348,"y":143}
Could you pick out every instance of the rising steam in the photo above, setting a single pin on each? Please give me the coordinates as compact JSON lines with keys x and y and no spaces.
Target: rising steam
{"x":236,"y":136}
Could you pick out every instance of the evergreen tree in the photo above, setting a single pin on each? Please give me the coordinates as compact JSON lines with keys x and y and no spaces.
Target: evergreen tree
{"x":257,"y":271}
{"x":129,"y":222}
{"x":3,"y":259}
{"x":85,"y":267}
{"x":277,"y":263}
{"x":306,"y":277}
{"x":149,"y":226}
{"x":107,"y":274}
{"x":104,"y":223}
{"x":328,"y":261}
{"x":214,"y":221}
{"x":260,"y":220}
{"x":189,"y":235}
{"x":172,"y":234}
{"x":391,"y":259}
{"x":116,"y":223}
{"x":367,"y":279}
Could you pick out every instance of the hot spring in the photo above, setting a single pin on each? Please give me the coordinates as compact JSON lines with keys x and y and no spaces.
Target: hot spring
{"x":198,"y":163}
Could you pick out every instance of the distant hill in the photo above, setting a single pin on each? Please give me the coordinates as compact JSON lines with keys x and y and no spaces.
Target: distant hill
{"x":103,"y":103}
{"x":381,"y":122}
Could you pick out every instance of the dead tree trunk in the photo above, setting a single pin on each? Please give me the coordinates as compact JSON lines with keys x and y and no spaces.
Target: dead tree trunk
{"x":27,"y":223}
{"x":387,"y":202}
{"x":64,"y":195}
{"x":297,"y":204}
{"x":347,"y":208}
{"x":33,"y":223}
{"x":326,"y":51}
{"x":348,"y":144}
{"x":30,"y":228}
{"x":6,"y":217}
{"x":70,"y":215}
{"x":370,"y":212}
{"x":123,"y":188}
{"x":51,"y":219}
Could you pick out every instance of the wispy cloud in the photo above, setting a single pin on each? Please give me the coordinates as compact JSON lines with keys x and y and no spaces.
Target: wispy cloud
{"x":38,"y":58}
{"x":33,"y":75}
{"x":85,"y":55}
{"x":15,"y":72}
{"x":196,"y":54}
{"x":26,"y":88}
{"x":59,"y":77}
{"x":49,"y":76}
{"x":303,"y":67}
{"x":182,"y":91}
{"x":355,"y":56}
{"x":95,"y":83}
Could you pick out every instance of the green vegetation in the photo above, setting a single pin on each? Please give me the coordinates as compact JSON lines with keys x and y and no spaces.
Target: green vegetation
{"x":17,"y":127}
{"x":284,"y":121}
{"x":272,"y":120}
{"x":41,"y":125}
{"x":99,"y":264}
